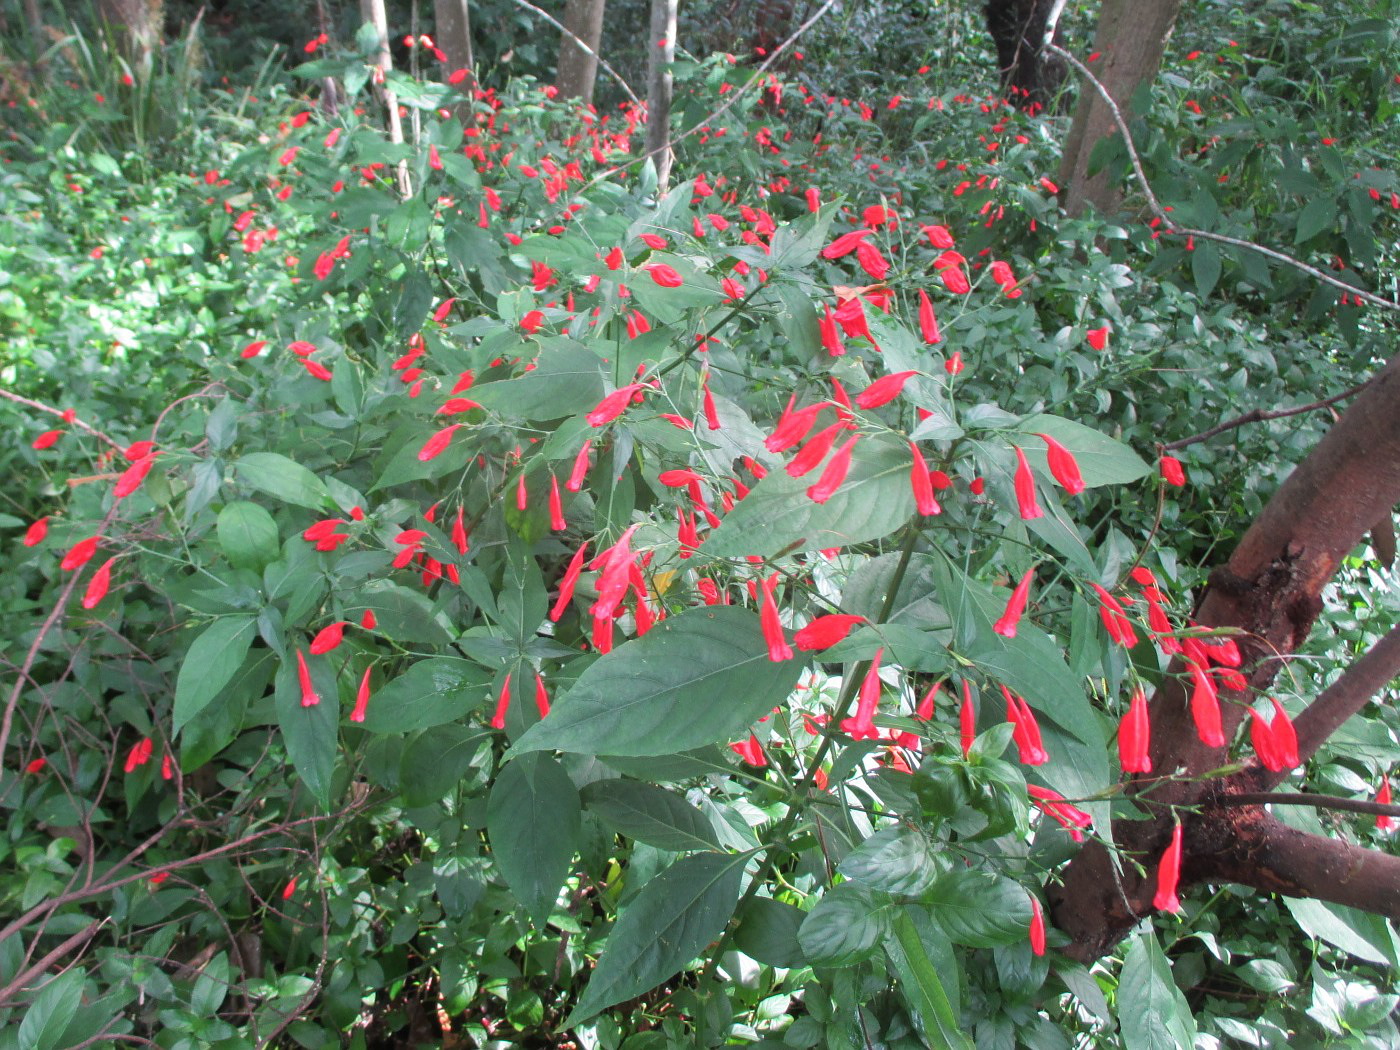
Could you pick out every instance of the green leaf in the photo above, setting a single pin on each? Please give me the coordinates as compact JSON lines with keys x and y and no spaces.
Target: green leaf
{"x":978,"y":909}
{"x":767,"y":931}
{"x":404,"y":615}
{"x":435,"y":760}
{"x":1357,"y":933}
{"x":310,"y":733}
{"x":48,"y":1015}
{"x":1205,"y":268}
{"x":1152,"y":1012}
{"x":210,"y":664}
{"x":567,"y":379}
{"x":846,"y":926}
{"x":533,"y":820}
{"x":650,"y":814}
{"x":248,"y":535}
{"x":922,"y":986}
{"x":896,"y":860}
{"x":873,"y":501}
{"x":1317,"y":215}
{"x":694,"y":679}
{"x":431,"y":692}
{"x":667,"y":925}
{"x":282,"y":478}
{"x":1102,"y":460}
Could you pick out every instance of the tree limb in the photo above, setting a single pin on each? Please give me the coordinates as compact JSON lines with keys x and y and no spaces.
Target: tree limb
{"x":1291,"y":798}
{"x":1258,"y":415}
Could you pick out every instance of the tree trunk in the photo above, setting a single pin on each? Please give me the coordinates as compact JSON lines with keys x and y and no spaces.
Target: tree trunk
{"x":578,"y":66}
{"x":772,"y":24}
{"x":373,"y":12}
{"x":1131,"y":38}
{"x":1030,"y":78}
{"x":138,"y":25}
{"x":1270,"y":589}
{"x":661,"y":51}
{"x":453,"y":34}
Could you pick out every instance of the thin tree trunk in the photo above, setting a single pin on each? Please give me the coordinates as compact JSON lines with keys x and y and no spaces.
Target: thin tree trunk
{"x":1270,"y":589}
{"x":1131,"y":38}
{"x":661,"y":51}
{"x":578,"y":68}
{"x":454,"y":34}
{"x":373,"y":12}
{"x":138,"y":25}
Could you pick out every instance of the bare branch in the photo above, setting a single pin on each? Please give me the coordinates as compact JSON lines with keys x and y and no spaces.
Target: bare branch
{"x":1173,"y":226}
{"x":39,"y":406}
{"x":1291,"y":798}
{"x":1258,"y":415}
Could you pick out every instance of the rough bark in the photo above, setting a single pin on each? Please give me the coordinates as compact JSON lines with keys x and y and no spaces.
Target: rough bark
{"x":1030,"y":77}
{"x":578,"y":68}
{"x":661,"y":52}
{"x":137,"y":24}
{"x":453,"y":26}
{"x":1131,"y":38}
{"x":1270,"y":589}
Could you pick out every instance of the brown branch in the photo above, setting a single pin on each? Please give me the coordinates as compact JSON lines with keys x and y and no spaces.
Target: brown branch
{"x":1270,"y":856}
{"x":1291,"y":798}
{"x":39,"y":406}
{"x":1259,"y":415}
{"x":23,"y":978}
{"x":1172,"y":226}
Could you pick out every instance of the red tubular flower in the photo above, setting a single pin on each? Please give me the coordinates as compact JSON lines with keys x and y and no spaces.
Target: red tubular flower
{"x":1015,"y":607}
{"x":831,"y":335}
{"x":792,"y":426}
{"x":751,"y":751}
{"x":98,"y":585}
{"x":460,"y":540}
{"x":686,"y":535}
{"x":924,"y":710}
{"x":1026,"y":730}
{"x":532,"y":322}
{"x":1384,"y":822}
{"x":47,"y":439}
{"x":834,"y":474}
{"x":309,"y":697}
{"x":814,"y":198}
{"x":362,"y":698}
{"x":317,"y":370}
{"x":939,"y":236}
{"x":139,"y":755}
{"x":1025,"y":488}
{"x":665,"y":276}
{"x":845,"y":244}
{"x":253,"y":349}
{"x":871,"y":261}
{"x":556,"y":506}
{"x":433,"y":447}
{"x":778,"y":648}
{"x":928,"y":321}
{"x":1053,"y":804}
{"x":1037,"y":933}
{"x":707,"y":402}
{"x":577,"y":475}
{"x":616,"y":564}
{"x":1172,"y":472}
{"x":498,"y":720}
{"x":967,"y":719}
{"x":1062,"y":465}
{"x":1168,"y":875}
{"x":80,"y":554}
{"x":1261,"y":737}
{"x":566,"y":585}
{"x":814,"y":451}
{"x":884,"y":390}
{"x":1285,"y":737}
{"x":541,"y":696}
{"x":1205,"y":707}
{"x":862,"y":725}
{"x":611,"y":406}
{"x":287,"y":890}
{"x":1115,"y":620}
{"x":922,"y":484}
{"x":1098,"y":337}
{"x":328,"y":638}
{"x":1134,"y":736}
{"x":35,"y":534}
{"x":949,"y":266}
{"x":825,"y":631}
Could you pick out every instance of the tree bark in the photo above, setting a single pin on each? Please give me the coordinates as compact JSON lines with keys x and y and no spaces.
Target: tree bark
{"x":1131,"y":38}
{"x":373,"y":12}
{"x":578,"y":68}
{"x":1271,"y":590}
{"x":661,"y":52}
{"x":138,"y":25}
{"x":1030,"y":78}
{"x":452,"y":22}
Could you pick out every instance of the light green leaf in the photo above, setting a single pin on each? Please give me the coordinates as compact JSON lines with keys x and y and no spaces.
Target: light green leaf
{"x":282,"y":478}
{"x":873,"y":501}
{"x":48,"y":1015}
{"x":248,"y":535}
{"x":1317,"y":215}
{"x":210,"y":663}
{"x":533,"y":819}
{"x":650,"y":814}
{"x":1152,"y":1012}
{"x":977,"y":908}
{"x":1102,"y":460}
{"x":846,"y":926}
{"x":566,"y":380}
{"x":694,"y":679}
{"x":923,"y":988}
{"x":896,"y":860}
{"x":667,"y":925}
{"x":1357,"y":933}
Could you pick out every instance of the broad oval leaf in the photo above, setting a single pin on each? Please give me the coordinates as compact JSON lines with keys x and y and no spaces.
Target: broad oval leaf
{"x":210,"y":664}
{"x":436,"y":760}
{"x":310,"y":734}
{"x":767,"y":931}
{"x":283,"y":479}
{"x":650,"y":814}
{"x":694,"y":679}
{"x":846,"y":926}
{"x":896,"y":860}
{"x":978,"y":909}
{"x":533,"y":819}
{"x":1102,"y":460}
{"x":248,"y":535}
{"x":1152,"y":1012}
{"x":429,"y":693}
{"x":667,"y":925}
{"x":873,"y":501}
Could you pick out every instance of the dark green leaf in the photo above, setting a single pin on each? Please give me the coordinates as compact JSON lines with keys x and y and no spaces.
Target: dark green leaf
{"x":923,"y":988}
{"x":896,"y":860}
{"x":1101,"y":459}
{"x":846,"y":926}
{"x":248,"y":535}
{"x":283,"y":479}
{"x":977,"y":908}
{"x":767,"y":931}
{"x":431,"y":692}
{"x":435,"y":760}
{"x":533,"y":819}
{"x":310,"y":734}
{"x":650,"y":814}
{"x":1152,"y":1012}
{"x":211,"y":662}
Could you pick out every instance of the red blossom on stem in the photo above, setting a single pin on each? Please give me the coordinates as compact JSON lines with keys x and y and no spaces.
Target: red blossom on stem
{"x":1062,"y":465}
{"x":498,"y":720}
{"x":362,"y":698}
{"x":834,"y":474}
{"x":309,"y":696}
{"x":1168,"y":875}
{"x":967,"y":719}
{"x":1134,"y":736}
{"x":862,"y":725}
{"x":1015,"y":607}
{"x":825,"y":631}
{"x":1025,"y":488}
{"x":778,"y":648}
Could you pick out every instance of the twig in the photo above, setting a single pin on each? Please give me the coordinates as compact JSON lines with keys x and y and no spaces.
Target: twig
{"x":1258,"y":415}
{"x":1173,"y":226}
{"x":23,"y":978}
{"x":39,"y":406}
{"x":1287,"y":798}
{"x":587,"y":50}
